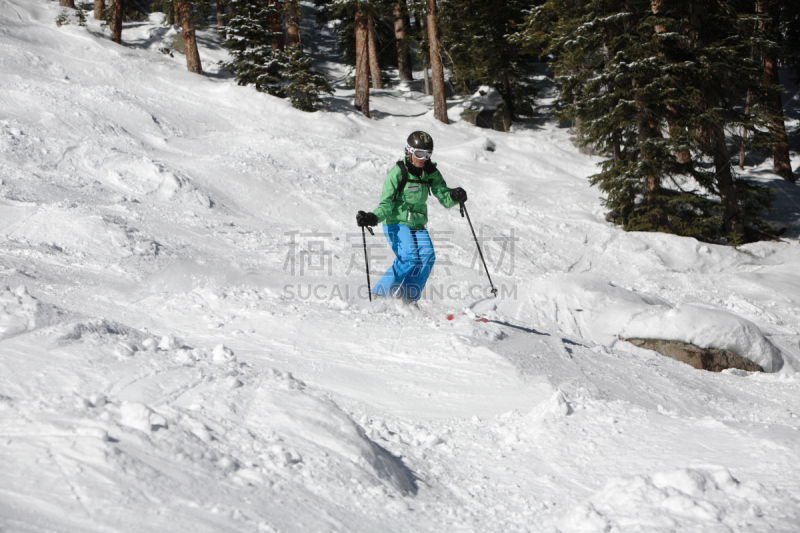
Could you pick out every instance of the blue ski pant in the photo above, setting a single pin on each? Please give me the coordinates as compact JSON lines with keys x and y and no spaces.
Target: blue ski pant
{"x":413,"y":263}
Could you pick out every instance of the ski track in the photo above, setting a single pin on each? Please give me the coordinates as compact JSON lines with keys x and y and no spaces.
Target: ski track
{"x":161,"y":379}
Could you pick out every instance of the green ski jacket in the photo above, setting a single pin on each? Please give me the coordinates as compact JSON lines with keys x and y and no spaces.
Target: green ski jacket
{"x":411,"y":208}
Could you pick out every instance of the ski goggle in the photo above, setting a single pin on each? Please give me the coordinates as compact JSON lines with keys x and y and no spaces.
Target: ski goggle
{"x":419,"y":154}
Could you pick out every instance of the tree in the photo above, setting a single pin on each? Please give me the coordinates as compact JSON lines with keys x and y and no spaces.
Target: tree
{"x":292,"y":16}
{"x":257,"y":61}
{"x":249,"y":39}
{"x":67,"y":3}
{"x":186,"y":17}
{"x":769,"y":25}
{"x":219,"y":7}
{"x":374,"y":65}
{"x":647,"y":85}
{"x":99,"y":7}
{"x":476,"y":35}
{"x":437,"y":67}
{"x":275,"y":24}
{"x":401,"y":24}
{"x":118,"y":7}
{"x":304,"y":83}
{"x":362,"y":61}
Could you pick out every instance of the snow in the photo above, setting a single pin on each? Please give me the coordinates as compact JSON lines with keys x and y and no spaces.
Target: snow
{"x":186,"y":344}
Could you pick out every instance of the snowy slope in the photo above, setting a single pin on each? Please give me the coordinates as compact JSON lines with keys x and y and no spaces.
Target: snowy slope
{"x":184,"y":346}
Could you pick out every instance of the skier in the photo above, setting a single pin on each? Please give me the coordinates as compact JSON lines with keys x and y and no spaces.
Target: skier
{"x":403,"y":210}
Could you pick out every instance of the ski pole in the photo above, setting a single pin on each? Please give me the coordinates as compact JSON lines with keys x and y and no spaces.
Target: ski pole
{"x":464,"y":212}
{"x":366,"y":259}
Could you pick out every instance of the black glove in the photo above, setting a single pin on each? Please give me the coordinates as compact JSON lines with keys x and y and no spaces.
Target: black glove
{"x":366,"y":219}
{"x":458,"y":195}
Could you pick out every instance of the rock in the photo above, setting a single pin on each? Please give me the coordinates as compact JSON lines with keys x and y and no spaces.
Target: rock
{"x":711,"y":359}
{"x":612,"y":216}
{"x":485,"y":109}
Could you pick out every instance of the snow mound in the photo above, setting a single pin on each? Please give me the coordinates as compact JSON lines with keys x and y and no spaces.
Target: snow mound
{"x":20,"y":312}
{"x":141,"y":417}
{"x":603,"y":312}
{"x":140,"y":176}
{"x":286,"y":424}
{"x":706,"y":328}
{"x":685,"y":499}
{"x":72,"y":231}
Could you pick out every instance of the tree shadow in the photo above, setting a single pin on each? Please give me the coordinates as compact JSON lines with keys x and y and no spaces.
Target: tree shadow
{"x":157,"y":35}
{"x":209,"y":42}
{"x":786,"y":207}
{"x":520,"y":328}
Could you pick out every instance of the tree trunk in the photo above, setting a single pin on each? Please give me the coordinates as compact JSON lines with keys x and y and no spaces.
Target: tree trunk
{"x":362,"y":63}
{"x":220,"y":12}
{"x":276,"y":26}
{"x":426,"y":75}
{"x":189,"y":40}
{"x":744,"y":134}
{"x":648,"y":129}
{"x":99,"y":7}
{"x":292,"y":15}
{"x":655,"y":7}
{"x":437,"y":69}
{"x":67,"y":3}
{"x":400,"y":33}
{"x":780,"y":150}
{"x":508,"y":100}
{"x":374,"y":66}
{"x":119,"y":11}
{"x":714,"y":136}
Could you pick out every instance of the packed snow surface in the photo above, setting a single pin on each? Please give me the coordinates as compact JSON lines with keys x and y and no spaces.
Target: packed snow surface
{"x":186,"y":343}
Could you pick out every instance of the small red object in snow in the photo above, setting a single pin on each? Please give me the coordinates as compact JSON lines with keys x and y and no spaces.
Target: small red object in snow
{"x":486,"y":320}
{"x":450,"y":317}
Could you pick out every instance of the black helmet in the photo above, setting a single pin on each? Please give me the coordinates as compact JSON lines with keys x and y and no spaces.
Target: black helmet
{"x":420,"y":140}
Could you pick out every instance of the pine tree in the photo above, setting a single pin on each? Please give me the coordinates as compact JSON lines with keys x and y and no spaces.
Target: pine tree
{"x":186,"y":17}
{"x":80,"y":16}
{"x":401,"y":31}
{"x":259,"y":60}
{"x":654,"y":86}
{"x":475,"y":36}
{"x":304,"y":84}
{"x":437,"y":65}
{"x":249,"y":38}
{"x":63,"y":18}
{"x":117,"y":12}
{"x":771,"y":23}
{"x":361,"y":99}
{"x":382,"y":35}
{"x":219,"y":9}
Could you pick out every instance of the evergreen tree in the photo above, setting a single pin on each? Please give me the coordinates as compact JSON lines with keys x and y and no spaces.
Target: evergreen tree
{"x":343,"y":12}
{"x":437,"y":64}
{"x":250,"y":37}
{"x":654,"y":90}
{"x":775,"y":21}
{"x":401,"y":31}
{"x":475,"y":37}
{"x":304,"y":83}
{"x":99,"y":8}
